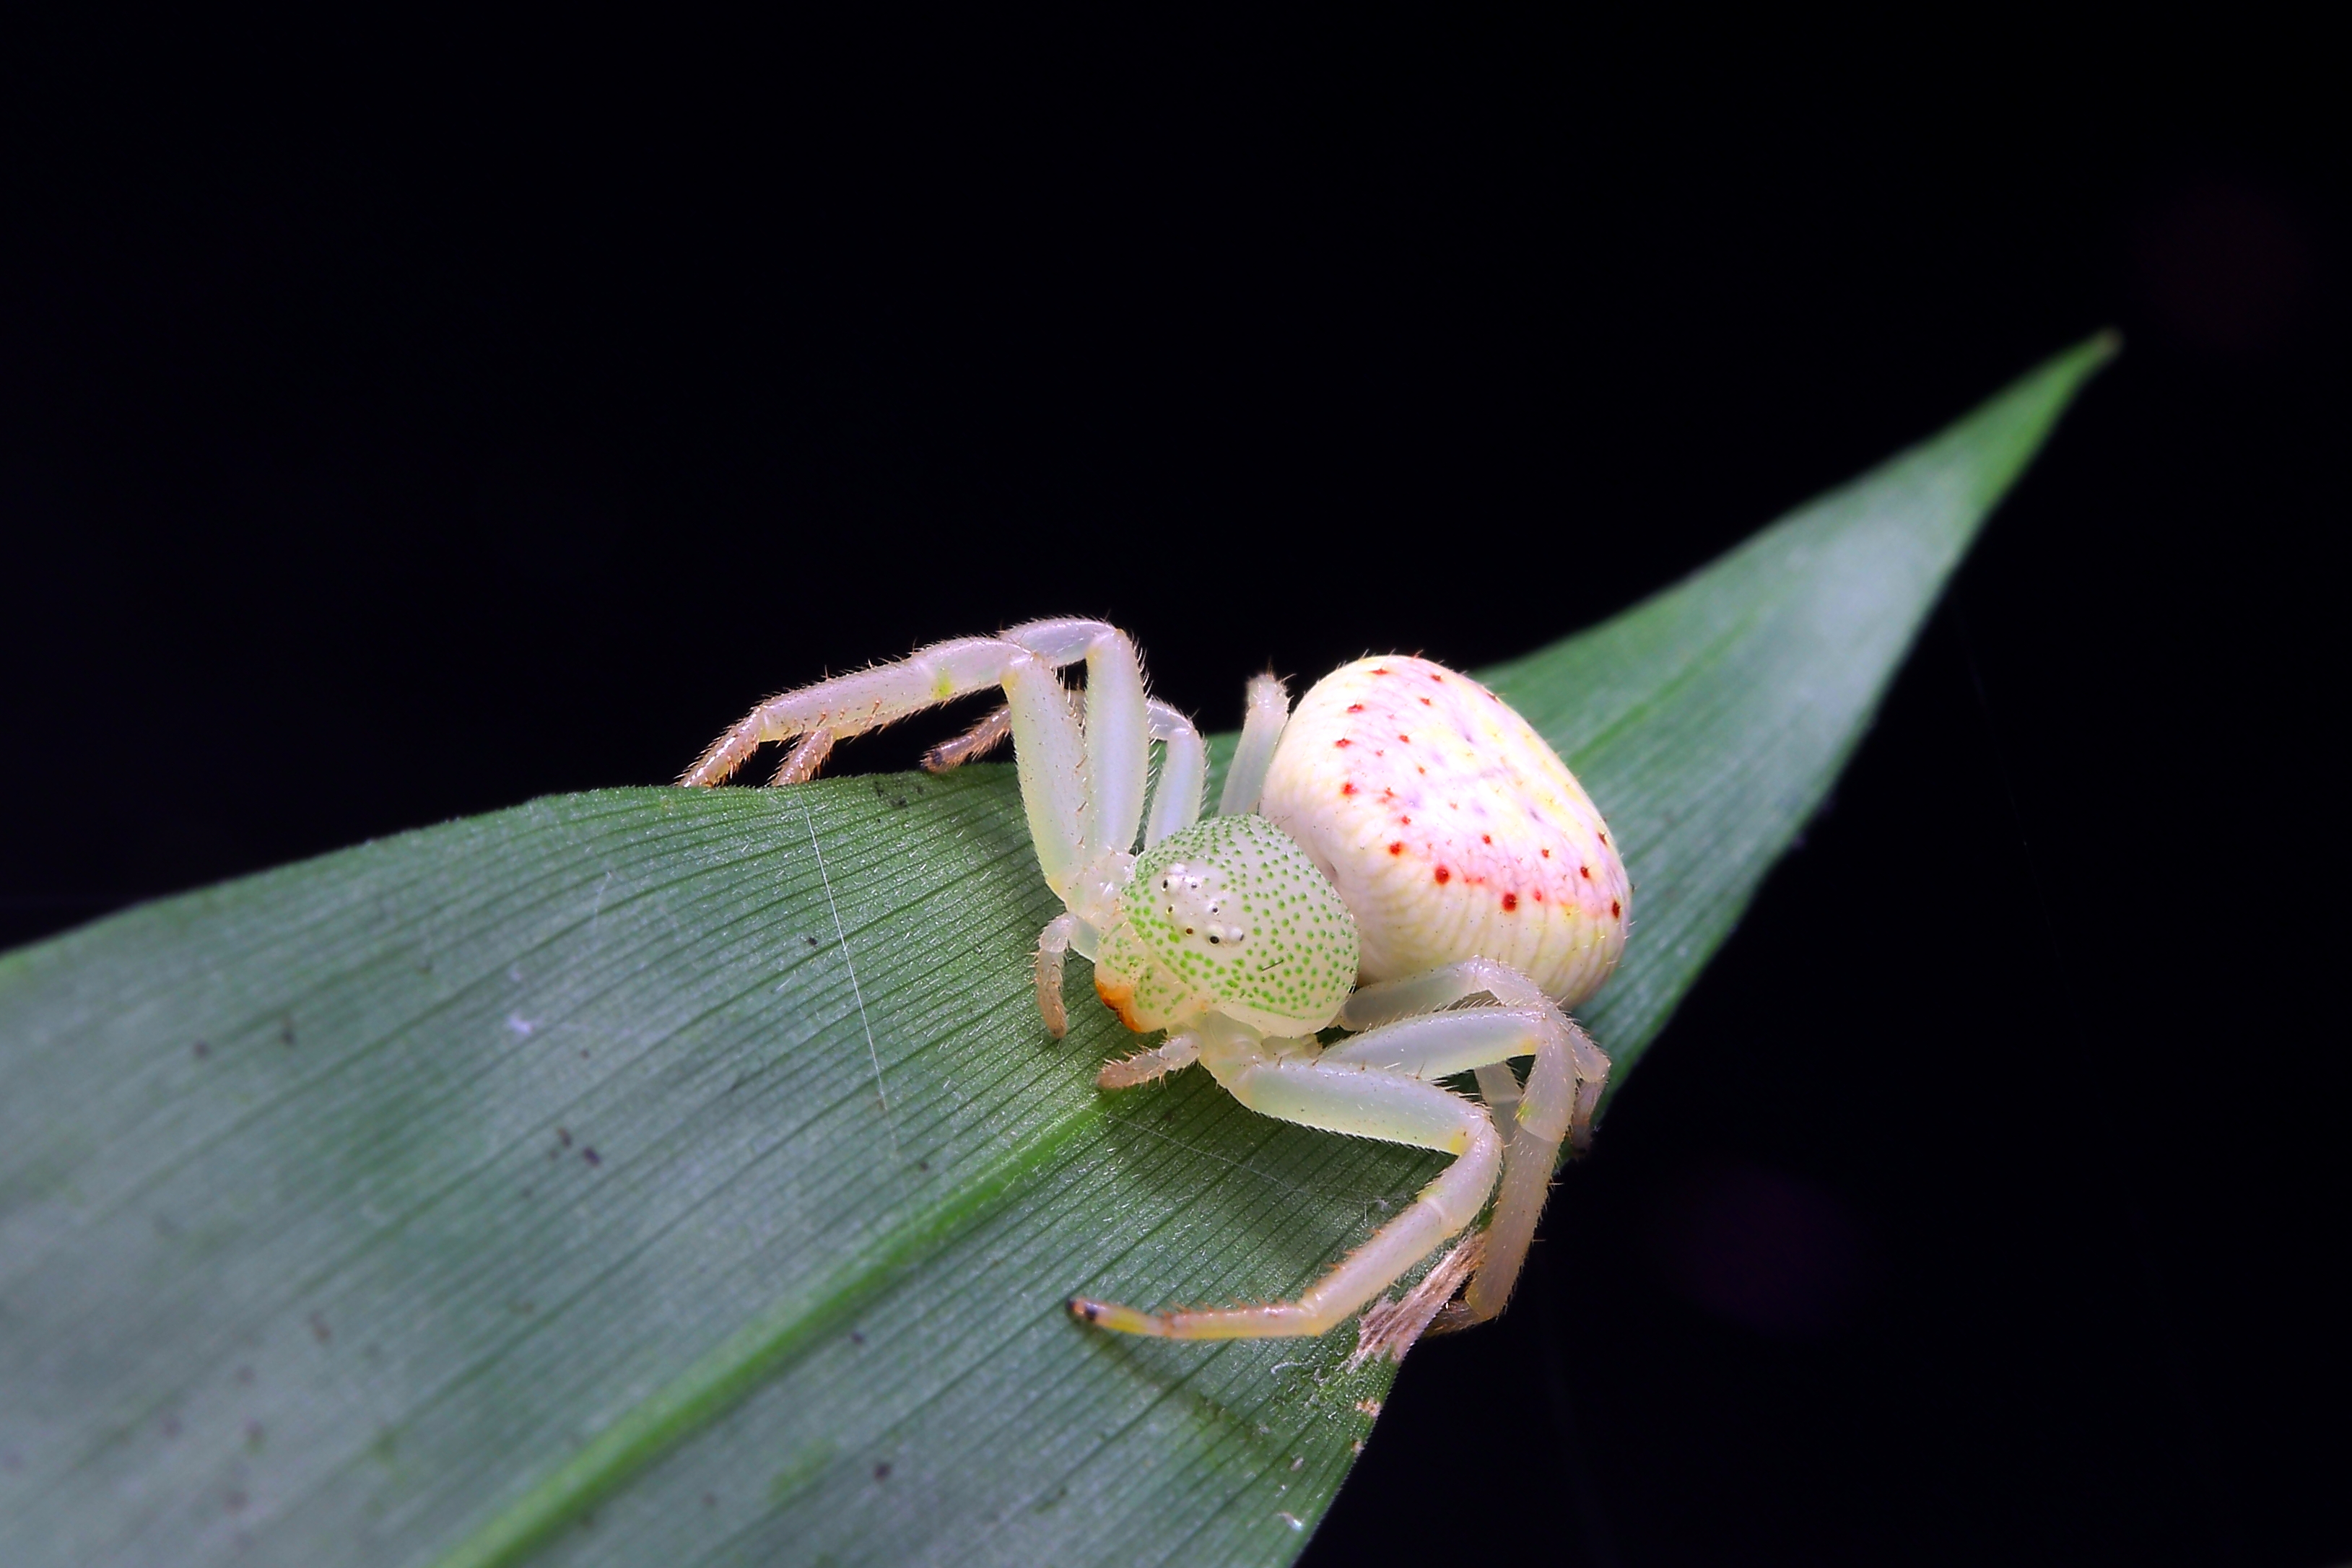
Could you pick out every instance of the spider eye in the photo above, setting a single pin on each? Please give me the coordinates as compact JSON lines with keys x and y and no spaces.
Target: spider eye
{"x":1212,"y":939}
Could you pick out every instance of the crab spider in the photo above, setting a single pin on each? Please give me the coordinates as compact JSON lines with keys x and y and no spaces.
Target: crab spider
{"x":1403,"y":828}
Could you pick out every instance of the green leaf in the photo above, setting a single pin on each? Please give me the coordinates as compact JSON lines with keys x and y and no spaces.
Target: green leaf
{"x":656,"y":1175}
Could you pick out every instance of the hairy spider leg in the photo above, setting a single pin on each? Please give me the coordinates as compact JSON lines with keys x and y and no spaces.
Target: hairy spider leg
{"x":802,"y":763}
{"x":1082,"y":784}
{"x":852,"y":704}
{"x":1562,"y":1089}
{"x":1266,"y":711}
{"x":1177,"y":1052}
{"x":1053,"y":943}
{"x":1183,"y":771}
{"x":1353,"y":1096}
{"x":994,"y":727}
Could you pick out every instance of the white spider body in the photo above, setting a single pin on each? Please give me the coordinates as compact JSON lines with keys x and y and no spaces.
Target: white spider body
{"x":1414,"y":834}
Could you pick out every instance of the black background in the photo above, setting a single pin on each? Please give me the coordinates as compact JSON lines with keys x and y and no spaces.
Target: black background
{"x":395,"y":427}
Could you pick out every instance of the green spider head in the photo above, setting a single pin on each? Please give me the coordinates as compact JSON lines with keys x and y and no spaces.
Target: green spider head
{"x":1228,"y":916}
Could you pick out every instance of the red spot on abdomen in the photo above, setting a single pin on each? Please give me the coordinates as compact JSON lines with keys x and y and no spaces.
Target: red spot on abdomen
{"x":1585,"y":872}
{"x":1510,"y":902}
{"x":1355,"y":707}
{"x":1615,"y":908}
{"x":1444,"y":875}
{"x":1397,"y":847}
{"x":1343,"y":743}
{"x":1347,"y":789}
{"x":1406,"y":739}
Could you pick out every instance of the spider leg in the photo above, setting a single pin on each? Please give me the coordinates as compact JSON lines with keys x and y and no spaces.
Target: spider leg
{"x":852,"y":704}
{"x":1175,"y":801}
{"x":1052,"y":944}
{"x":1113,"y":742}
{"x":1184,"y":768}
{"x":1050,"y":753}
{"x":1082,"y":784}
{"x":1268,"y":711}
{"x":807,"y":755}
{"x":972,"y":745}
{"x":1391,"y":1328}
{"x":1117,"y":742}
{"x":1368,"y":1103}
{"x":1562,"y":1090}
{"x":1174,"y":1054}
{"x":870,"y":699}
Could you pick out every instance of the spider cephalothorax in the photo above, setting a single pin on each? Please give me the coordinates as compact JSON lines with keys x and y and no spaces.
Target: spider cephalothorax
{"x":1404,"y":829}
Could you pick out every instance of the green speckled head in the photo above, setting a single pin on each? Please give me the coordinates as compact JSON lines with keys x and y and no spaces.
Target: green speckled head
{"x":1234,"y":913}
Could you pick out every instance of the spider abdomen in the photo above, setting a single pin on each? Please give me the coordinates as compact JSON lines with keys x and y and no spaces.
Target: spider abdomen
{"x":1452,"y":829}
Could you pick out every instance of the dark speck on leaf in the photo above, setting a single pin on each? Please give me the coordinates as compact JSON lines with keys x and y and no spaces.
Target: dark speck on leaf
{"x":882,"y":1471}
{"x":202,"y":1050}
{"x":563,"y":1137}
{"x":593,"y":1157}
{"x":810,"y":939}
{"x":855,"y":1338}
{"x":710,"y":1500}
{"x":922,"y":1164}
{"x":285,"y":1030}
{"x":319,"y":1330}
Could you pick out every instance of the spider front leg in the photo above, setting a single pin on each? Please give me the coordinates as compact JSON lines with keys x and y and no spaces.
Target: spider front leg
{"x":1265,"y":712}
{"x":1081,"y":784}
{"x":1354,"y":1098}
{"x":1562,"y":1090}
